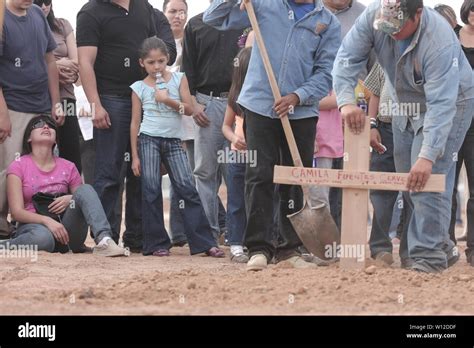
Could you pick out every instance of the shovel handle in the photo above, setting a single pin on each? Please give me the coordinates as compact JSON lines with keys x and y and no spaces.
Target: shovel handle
{"x":273,"y":83}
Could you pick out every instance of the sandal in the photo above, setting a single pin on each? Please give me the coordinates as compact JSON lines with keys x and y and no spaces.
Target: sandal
{"x":161,"y":253}
{"x":215,"y":252}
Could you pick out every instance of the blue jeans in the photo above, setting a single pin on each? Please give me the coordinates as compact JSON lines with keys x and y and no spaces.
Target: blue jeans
{"x":86,"y":211}
{"x":154,"y":151}
{"x":112,"y":148}
{"x":236,"y":216}
{"x":209,"y":171}
{"x":383,"y":202}
{"x":177,"y":231}
{"x":428,"y":231}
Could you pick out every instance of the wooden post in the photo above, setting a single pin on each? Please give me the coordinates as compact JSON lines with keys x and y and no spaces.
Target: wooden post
{"x":356,"y":181}
{"x":355,"y":202}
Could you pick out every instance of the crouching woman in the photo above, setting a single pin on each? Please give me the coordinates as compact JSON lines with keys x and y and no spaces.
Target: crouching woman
{"x":48,"y":200}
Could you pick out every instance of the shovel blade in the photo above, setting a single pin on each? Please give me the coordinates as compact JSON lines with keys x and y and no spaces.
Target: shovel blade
{"x":316,"y":229}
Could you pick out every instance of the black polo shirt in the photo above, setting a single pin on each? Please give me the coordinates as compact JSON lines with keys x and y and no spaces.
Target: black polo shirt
{"x":118,"y":35}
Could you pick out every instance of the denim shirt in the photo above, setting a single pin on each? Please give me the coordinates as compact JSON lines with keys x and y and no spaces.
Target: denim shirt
{"x":432,"y":74}
{"x":301,"y":53}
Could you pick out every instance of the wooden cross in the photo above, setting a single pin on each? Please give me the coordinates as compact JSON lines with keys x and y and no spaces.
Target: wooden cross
{"x":356,"y":180}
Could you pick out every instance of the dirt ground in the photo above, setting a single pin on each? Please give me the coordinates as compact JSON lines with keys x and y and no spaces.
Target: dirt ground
{"x":197,"y":285}
{"x":84,"y":284}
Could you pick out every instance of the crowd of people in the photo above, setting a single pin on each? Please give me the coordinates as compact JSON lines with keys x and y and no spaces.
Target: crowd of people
{"x":191,"y":99}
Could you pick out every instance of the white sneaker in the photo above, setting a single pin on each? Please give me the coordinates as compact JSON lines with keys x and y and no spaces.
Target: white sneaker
{"x":257,"y":262}
{"x":109,"y":249}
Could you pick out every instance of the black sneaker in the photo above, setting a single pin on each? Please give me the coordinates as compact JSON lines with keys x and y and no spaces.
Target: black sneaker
{"x":453,"y":256}
{"x":179,"y":244}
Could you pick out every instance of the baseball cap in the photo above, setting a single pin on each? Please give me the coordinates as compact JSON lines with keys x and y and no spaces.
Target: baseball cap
{"x":392,"y":16}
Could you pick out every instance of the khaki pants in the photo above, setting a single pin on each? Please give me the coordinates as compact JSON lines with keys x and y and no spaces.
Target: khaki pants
{"x":9,"y":151}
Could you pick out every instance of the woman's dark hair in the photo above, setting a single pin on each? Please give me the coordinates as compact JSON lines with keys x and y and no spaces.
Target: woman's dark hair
{"x":150,"y":44}
{"x":411,"y":6}
{"x":448,"y":13}
{"x":52,"y":21}
{"x":241,"y":64}
{"x":26,"y":150}
{"x":465,"y":9}
{"x":166,"y":2}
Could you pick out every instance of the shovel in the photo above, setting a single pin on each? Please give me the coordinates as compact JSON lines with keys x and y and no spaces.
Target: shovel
{"x":314,"y":225}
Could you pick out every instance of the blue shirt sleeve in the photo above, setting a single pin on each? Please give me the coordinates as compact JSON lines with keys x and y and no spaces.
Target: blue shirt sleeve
{"x":137,"y":87}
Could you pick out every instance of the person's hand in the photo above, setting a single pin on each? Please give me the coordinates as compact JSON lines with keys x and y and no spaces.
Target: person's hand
{"x":67,"y":65}
{"x":136,"y":166}
{"x":66,"y":76}
{"x":161,"y":95}
{"x":242,"y":5}
{"x":419,"y":175}
{"x":354,"y":117}
{"x":200,"y":116}
{"x":286,"y":104}
{"x":5,"y":126}
{"x":58,"y":230}
{"x":376,"y":141}
{"x":60,"y":204}
{"x":100,"y":118}
{"x":239,"y":143}
{"x":57,"y":114}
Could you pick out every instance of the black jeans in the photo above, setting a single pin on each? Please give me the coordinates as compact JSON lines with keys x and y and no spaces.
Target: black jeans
{"x":112,"y":156}
{"x":68,"y":135}
{"x":335,"y":195}
{"x":466,"y":156}
{"x":266,"y":138}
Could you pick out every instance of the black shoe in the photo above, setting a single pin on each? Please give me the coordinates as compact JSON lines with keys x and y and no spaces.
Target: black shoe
{"x":406,"y":263}
{"x":133,"y":248}
{"x":83,"y":250}
{"x":179,"y":244}
{"x":470,"y":259}
{"x":453,"y":256}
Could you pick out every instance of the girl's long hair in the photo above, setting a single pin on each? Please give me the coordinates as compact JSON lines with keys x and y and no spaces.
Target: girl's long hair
{"x":241,"y":64}
{"x":52,"y":20}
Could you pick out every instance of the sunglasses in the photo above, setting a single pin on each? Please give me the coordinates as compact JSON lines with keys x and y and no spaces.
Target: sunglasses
{"x":471,"y":8}
{"x":41,"y":2}
{"x":41,"y":123}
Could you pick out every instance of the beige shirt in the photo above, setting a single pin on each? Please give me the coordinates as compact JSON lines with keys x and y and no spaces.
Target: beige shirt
{"x":66,"y":91}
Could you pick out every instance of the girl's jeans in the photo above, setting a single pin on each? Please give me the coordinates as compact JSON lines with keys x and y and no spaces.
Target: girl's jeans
{"x":153,"y":151}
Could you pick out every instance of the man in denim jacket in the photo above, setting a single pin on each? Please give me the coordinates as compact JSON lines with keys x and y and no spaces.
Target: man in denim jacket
{"x":432,"y":85}
{"x":302,"y":38}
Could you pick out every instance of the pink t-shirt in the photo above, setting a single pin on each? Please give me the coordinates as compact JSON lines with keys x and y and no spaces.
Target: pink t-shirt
{"x":329,"y":136}
{"x":62,"y":179}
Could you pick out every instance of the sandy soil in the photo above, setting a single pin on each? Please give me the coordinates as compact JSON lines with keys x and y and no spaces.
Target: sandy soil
{"x":181,"y":284}
{"x":75,"y":284}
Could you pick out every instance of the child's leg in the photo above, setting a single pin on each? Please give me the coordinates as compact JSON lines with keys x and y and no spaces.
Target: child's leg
{"x":197,"y":227}
{"x":320,"y":194}
{"x":154,"y":234}
{"x":85,"y":210}
{"x":236,"y":215}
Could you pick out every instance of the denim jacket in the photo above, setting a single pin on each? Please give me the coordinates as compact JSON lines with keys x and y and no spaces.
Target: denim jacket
{"x":301,"y":53}
{"x":432,"y":76}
